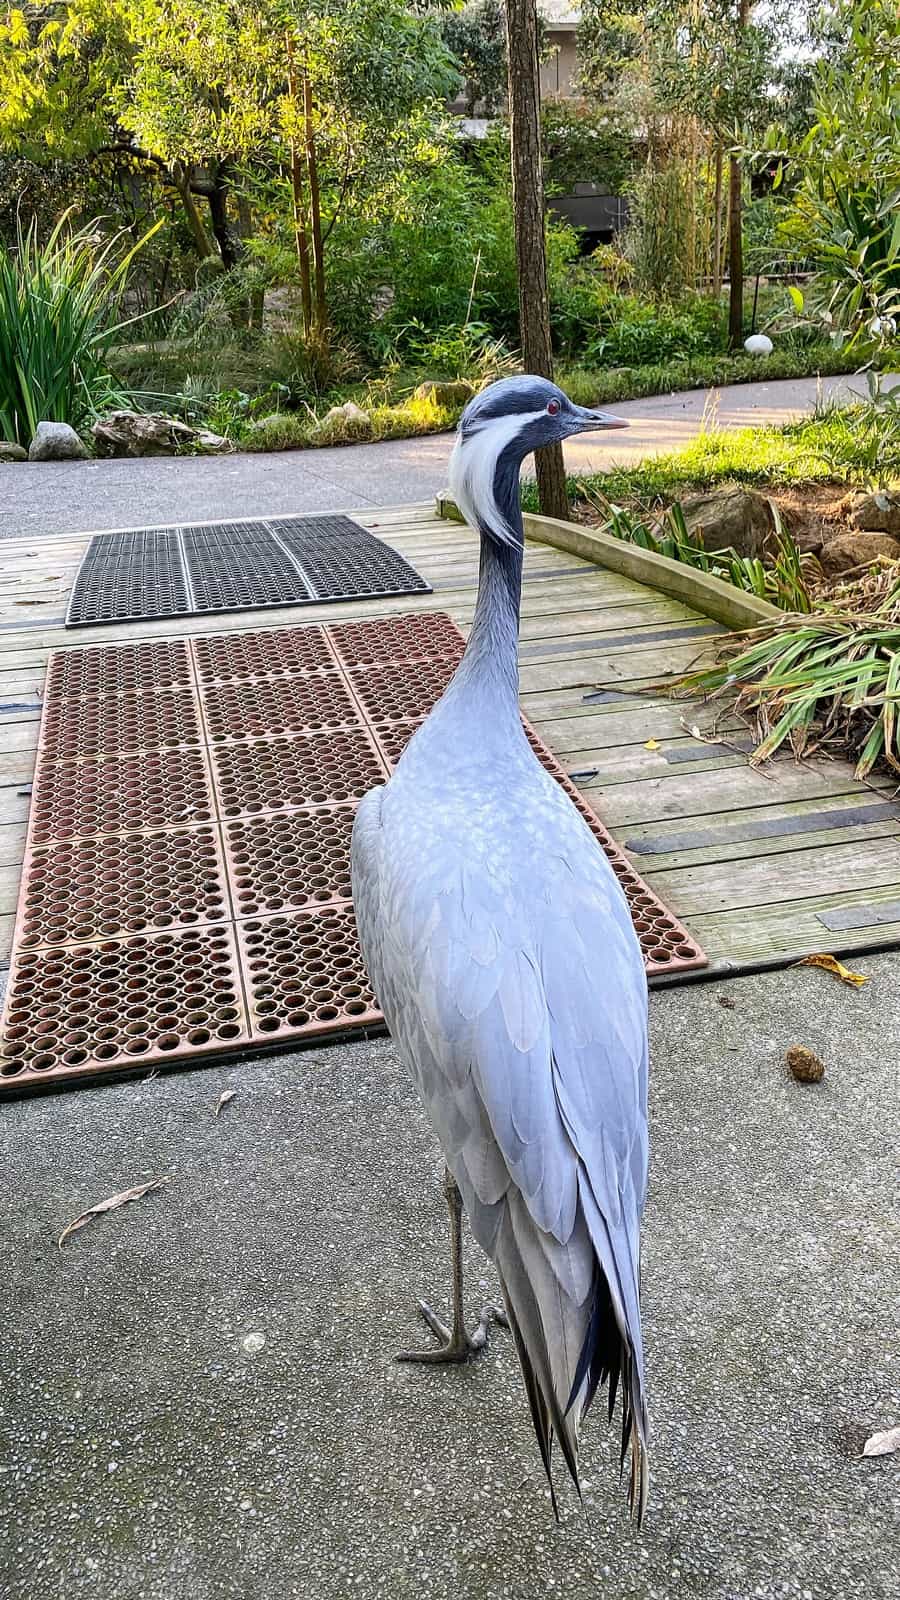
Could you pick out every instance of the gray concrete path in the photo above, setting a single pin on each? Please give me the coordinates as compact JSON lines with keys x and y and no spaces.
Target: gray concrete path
{"x":198,"y":1400}
{"x":79,"y":496}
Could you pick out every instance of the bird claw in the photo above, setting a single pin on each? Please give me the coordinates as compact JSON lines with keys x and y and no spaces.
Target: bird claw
{"x":455,"y":1345}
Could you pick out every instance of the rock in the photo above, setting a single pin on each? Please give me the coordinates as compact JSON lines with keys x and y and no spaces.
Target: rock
{"x":445,"y":395}
{"x":348,"y":412}
{"x":138,"y":433}
{"x":847,"y":550}
{"x":56,"y":441}
{"x":737,"y":518}
{"x":271,"y":421}
{"x":804,"y":1065}
{"x":10,"y":451}
{"x":878,"y":512}
{"x":211,"y":444}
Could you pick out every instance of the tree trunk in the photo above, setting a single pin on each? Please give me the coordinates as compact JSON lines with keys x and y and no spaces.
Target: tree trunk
{"x":194,"y":220}
{"x":315,"y":208}
{"x":528,"y":211}
{"x":298,"y":206}
{"x":717,"y":222}
{"x":257,"y":298}
{"x":735,"y":226}
{"x":231,"y":247}
{"x":735,"y":256}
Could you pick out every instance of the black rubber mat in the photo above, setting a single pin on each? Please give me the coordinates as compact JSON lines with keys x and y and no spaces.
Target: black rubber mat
{"x":350,"y":565}
{"x":130,"y":575}
{"x":148,"y":573}
{"x":240,"y":566}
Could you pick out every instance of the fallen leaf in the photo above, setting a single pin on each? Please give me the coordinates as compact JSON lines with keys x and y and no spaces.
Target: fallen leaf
{"x":837,"y":968}
{"x":652,"y":744}
{"x":882,"y":1444}
{"x":111,"y":1204}
{"x":224,"y":1097}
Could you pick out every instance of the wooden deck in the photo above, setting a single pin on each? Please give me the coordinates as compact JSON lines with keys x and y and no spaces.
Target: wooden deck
{"x":761,"y":866}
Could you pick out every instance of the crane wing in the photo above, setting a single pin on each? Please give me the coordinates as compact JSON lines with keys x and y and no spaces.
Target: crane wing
{"x":523,"y":1022}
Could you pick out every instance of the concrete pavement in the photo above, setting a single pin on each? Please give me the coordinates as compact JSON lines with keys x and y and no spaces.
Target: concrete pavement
{"x":80,"y":496}
{"x":198,"y":1396}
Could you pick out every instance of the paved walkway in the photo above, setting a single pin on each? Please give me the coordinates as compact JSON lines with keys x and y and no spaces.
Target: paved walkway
{"x":198,"y":1396}
{"x":77,"y":497}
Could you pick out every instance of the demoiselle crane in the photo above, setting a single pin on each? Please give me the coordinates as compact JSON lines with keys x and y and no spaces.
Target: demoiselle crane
{"x":503,"y":955}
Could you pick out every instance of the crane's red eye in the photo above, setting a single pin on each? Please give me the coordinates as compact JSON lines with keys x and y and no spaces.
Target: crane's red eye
{"x":553,"y":407}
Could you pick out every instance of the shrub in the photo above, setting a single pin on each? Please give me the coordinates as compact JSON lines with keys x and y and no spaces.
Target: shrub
{"x":59,"y":303}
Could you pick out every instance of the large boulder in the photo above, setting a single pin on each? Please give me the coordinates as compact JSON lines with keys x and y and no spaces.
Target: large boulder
{"x":56,"y":441}
{"x":848,"y":550}
{"x":10,"y":451}
{"x":739,"y":519}
{"x":139,"y":433}
{"x":878,"y":512}
{"x":445,"y":396}
{"x":344,"y":422}
{"x":208,"y":443}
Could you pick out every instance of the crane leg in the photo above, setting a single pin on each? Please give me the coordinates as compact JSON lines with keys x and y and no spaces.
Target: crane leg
{"x":455,"y":1344}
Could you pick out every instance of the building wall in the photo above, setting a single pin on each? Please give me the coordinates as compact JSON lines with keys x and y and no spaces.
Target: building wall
{"x":559,"y":74}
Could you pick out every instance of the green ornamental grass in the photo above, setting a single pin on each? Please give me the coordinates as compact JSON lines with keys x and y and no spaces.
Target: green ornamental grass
{"x":60,"y":302}
{"x":831,"y":678}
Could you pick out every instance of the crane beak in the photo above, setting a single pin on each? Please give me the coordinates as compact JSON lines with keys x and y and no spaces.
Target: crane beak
{"x":588,"y":420}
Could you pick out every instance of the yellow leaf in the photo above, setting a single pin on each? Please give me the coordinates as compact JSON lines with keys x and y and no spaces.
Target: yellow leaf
{"x":652,"y":744}
{"x":831,"y":964}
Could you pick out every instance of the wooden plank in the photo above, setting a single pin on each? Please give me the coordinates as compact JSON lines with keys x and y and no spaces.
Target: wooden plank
{"x":766,"y":850}
{"x":787,"y":932}
{"x":708,"y":793}
{"x":12,"y":840}
{"x":795,"y":876}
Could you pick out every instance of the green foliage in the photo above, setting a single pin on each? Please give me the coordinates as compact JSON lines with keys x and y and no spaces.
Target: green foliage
{"x":833,"y":678}
{"x":847,"y":202}
{"x":657,"y":242}
{"x":873,"y":446}
{"x":583,"y":143}
{"x":610,"y":38}
{"x":59,"y":308}
{"x":714,"y":63}
{"x":469,"y":351}
{"x":783,"y":583}
{"x":613,"y":329}
{"x":823,"y":449}
{"x":476,"y":37}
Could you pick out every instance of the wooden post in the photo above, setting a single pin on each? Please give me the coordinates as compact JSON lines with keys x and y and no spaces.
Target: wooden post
{"x":528,"y":211}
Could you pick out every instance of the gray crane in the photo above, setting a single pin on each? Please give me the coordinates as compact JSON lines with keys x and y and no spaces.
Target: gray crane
{"x":503,"y":955}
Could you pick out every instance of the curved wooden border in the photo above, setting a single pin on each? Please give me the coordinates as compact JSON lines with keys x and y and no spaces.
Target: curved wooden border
{"x":711,"y":596}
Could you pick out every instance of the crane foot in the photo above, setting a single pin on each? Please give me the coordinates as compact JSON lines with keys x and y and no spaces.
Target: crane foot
{"x":455,"y":1344}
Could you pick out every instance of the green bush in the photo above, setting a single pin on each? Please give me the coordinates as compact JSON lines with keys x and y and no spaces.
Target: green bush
{"x":59,"y":309}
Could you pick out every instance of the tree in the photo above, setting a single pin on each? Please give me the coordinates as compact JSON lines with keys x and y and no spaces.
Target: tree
{"x":846,"y":203}
{"x":716,"y":62}
{"x":528,"y":211}
{"x":326,"y":97}
{"x":476,"y":36}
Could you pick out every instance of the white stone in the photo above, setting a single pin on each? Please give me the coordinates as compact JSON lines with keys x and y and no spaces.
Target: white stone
{"x":56,"y":441}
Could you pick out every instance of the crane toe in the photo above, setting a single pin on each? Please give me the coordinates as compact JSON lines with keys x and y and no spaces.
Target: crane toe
{"x":455,"y":1345}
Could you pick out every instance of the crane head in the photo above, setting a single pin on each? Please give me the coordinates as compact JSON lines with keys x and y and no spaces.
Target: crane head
{"x":497,"y":430}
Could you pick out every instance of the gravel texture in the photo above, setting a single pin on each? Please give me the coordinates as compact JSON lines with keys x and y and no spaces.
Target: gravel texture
{"x":199,"y":1400}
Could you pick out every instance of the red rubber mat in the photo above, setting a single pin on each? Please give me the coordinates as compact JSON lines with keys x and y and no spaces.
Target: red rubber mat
{"x":186,"y":884}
